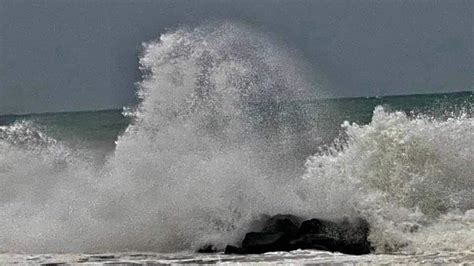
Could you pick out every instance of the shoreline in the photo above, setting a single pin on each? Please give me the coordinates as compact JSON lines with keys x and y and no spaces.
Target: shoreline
{"x":292,"y":257}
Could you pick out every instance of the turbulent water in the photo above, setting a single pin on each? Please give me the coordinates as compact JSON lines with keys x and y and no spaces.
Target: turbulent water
{"x":227,"y":129}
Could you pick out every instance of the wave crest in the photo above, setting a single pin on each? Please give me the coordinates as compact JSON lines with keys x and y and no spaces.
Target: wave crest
{"x":401,"y":172}
{"x":220,"y":138}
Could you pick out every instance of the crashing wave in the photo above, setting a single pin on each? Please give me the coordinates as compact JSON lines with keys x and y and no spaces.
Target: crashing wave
{"x":403,"y":173}
{"x":218,"y":139}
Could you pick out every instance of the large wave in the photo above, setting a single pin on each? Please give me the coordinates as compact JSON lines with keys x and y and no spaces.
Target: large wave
{"x":411,"y":177}
{"x":206,"y":161}
{"x":219,"y":139}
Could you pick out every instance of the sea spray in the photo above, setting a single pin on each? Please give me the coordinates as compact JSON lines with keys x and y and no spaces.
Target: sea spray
{"x":210,"y":149}
{"x":45,"y":192}
{"x":206,"y":161}
{"x":219,"y":138}
{"x":406,"y":175}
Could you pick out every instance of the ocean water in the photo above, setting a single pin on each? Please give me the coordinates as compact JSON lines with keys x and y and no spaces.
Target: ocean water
{"x":227,"y":129}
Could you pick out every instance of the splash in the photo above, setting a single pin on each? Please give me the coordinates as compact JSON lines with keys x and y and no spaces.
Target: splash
{"x":219,"y":138}
{"x":408,"y":175}
{"x":198,"y":164}
{"x":206,"y":160}
{"x":45,"y":191}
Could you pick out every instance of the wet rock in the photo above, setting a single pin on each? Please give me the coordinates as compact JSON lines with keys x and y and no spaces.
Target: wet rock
{"x":346,"y":236}
{"x":315,"y":241}
{"x":276,"y":233}
{"x":103,"y":256}
{"x":255,"y":243}
{"x":284,"y":233}
{"x":288,"y":224}
{"x":229,"y":249}
{"x":318,"y":226}
{"x":354,"y":237}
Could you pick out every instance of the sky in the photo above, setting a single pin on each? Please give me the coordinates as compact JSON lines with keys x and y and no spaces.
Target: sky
{"x":58,"y":55}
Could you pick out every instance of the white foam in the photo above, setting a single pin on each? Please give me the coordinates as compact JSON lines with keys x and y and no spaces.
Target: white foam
{"x":198,"y":164}
{"x":407,"y":175}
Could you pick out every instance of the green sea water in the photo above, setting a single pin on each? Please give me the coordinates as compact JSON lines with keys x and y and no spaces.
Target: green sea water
{"x":100,"y":129}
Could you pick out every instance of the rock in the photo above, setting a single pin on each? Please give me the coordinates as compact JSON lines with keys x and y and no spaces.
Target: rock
{"x":255,"y":243}
{"x":354,"y":237}
{"x":103,"y":256}
{"x":315,"y":241}
{"x":232,"y":250}
{"x":318,"y":226}
{"x":275,"y":235}
{"x":284,"y":233}
{"x":347,"y":236}
{"x":260,"y":239}
{"x":288,"y":224}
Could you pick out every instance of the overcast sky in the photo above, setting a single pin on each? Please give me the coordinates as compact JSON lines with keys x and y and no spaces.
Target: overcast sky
{"x":63,"y":55}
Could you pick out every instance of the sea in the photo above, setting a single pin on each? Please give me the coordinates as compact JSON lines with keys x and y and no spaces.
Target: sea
{"x":227,"y":129}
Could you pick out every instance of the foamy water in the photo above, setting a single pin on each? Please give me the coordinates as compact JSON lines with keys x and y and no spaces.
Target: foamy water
{"x":297,"y":257}
{"x":200,"y":162}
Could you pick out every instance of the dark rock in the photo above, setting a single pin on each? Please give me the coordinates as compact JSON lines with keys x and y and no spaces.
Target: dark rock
{"x":318,"y":226}
{"x":281,"y":233}
{"x":255,"y":243}
{"x":315,"y":241}
{"x":355,"y":235}
{"x":287,"y":224}
{"x":260,"y":239}
{"x":347,"y":236}
{"x":103,"y":256}
{"x":232,"y":250}
{"x":275,"y":235}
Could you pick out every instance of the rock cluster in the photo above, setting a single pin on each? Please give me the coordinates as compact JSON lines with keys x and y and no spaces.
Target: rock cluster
{"x":288,"y":232}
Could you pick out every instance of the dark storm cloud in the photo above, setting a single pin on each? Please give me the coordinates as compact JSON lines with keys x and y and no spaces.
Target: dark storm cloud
{"x":82,"y":54}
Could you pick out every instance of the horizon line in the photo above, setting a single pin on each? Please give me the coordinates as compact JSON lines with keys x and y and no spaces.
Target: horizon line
{"x":311,"y":100}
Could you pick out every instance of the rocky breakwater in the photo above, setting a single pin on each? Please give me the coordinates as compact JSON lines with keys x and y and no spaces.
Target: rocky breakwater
{"x":288,"y":232}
